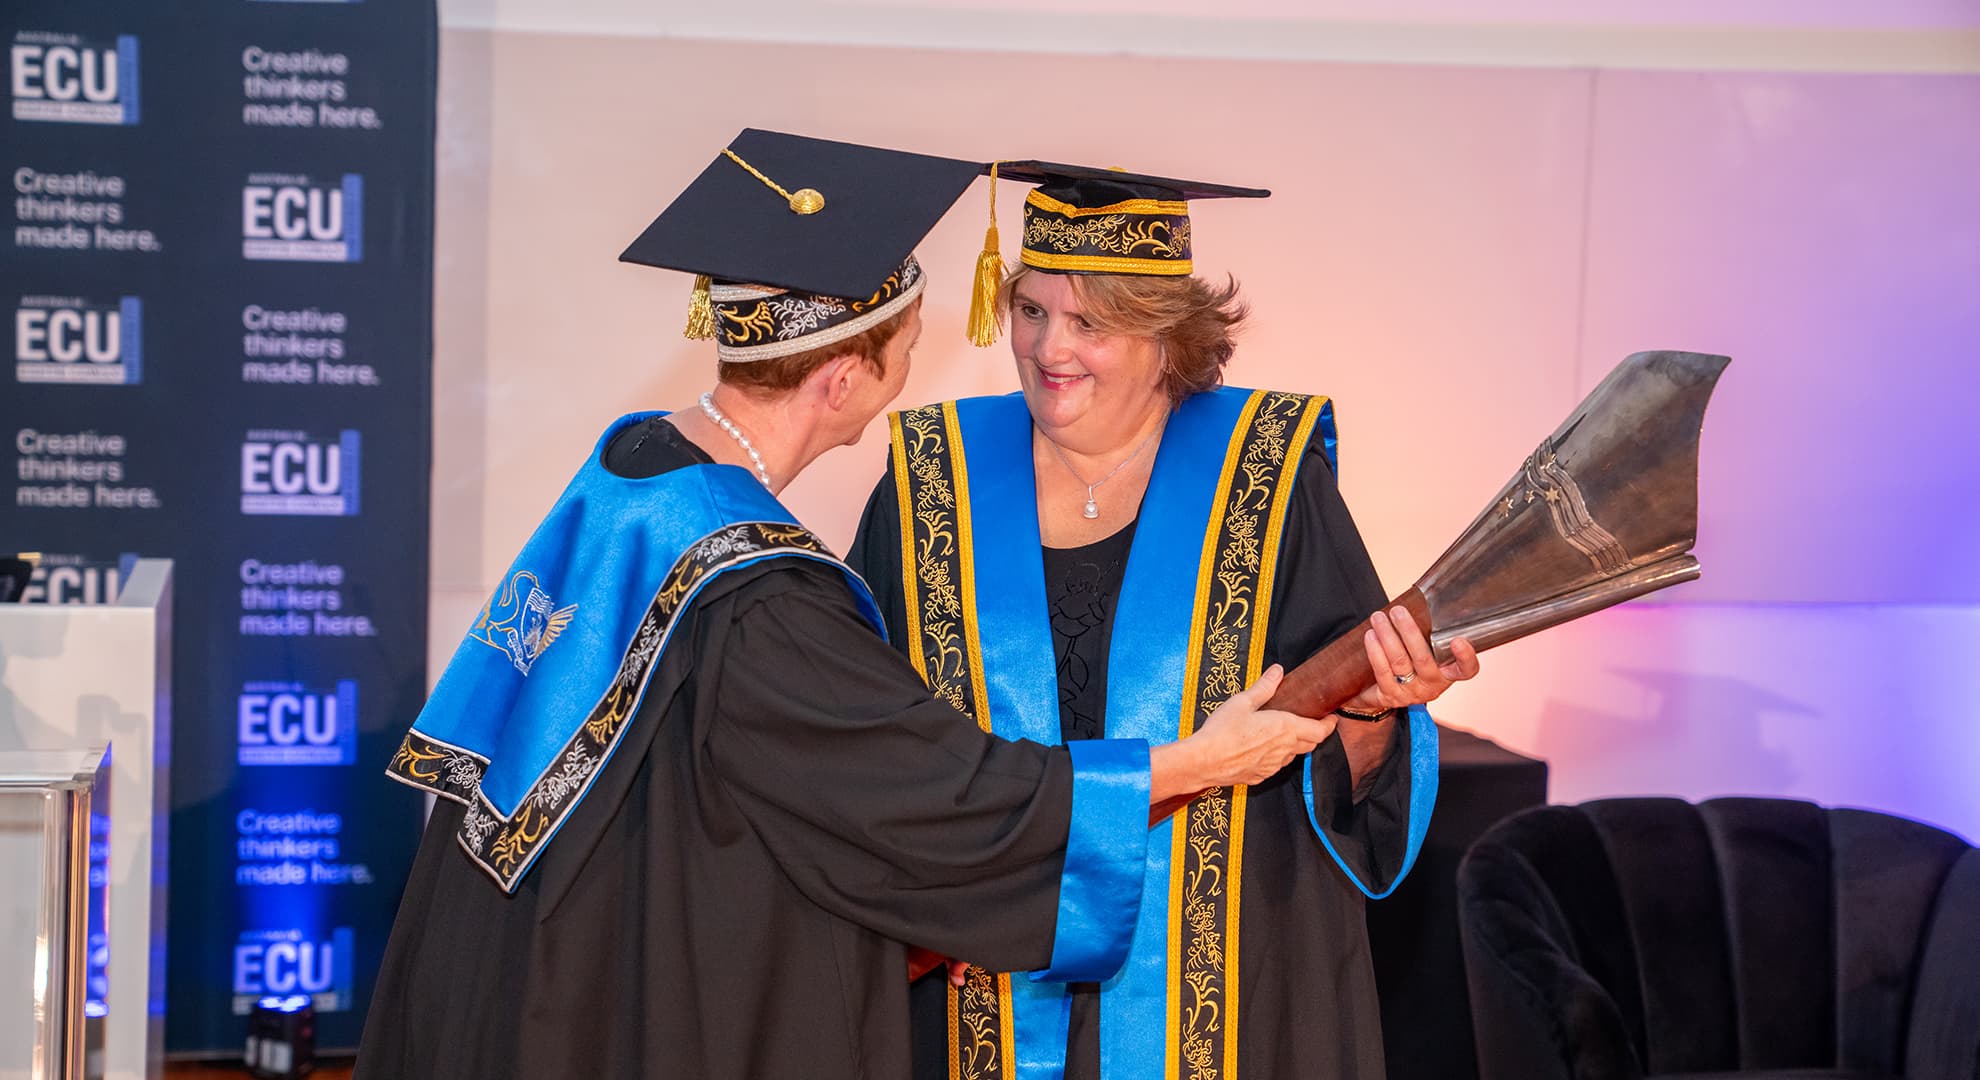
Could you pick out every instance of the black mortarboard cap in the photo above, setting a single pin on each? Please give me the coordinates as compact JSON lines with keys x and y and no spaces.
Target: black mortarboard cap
{"x":733,"y":225}
{"x":1090,"y":188}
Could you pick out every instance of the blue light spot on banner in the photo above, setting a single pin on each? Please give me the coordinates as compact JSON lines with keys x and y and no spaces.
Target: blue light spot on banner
{"x":131,"y":313}
{"x":348,"y":445}
{"x":127,"y":78}
{"x":353,"y":219}
{"x":347,"y":720}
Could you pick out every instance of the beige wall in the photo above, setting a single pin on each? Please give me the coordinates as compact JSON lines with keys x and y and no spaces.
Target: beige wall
{"x":1455,"y":254}
{"x":1738,"y":35}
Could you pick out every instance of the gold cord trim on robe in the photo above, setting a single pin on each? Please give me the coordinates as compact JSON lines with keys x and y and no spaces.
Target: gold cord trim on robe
{"x":1227,"y":642}
{"x":504,"y":845}
{"x":938,"y":582}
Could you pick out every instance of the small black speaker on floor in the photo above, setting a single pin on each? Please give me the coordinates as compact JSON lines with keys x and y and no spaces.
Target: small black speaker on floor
{"x":281,"y":1041}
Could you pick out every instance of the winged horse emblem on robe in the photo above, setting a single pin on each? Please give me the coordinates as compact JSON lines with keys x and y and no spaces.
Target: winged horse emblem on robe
{"x":522,"y":620}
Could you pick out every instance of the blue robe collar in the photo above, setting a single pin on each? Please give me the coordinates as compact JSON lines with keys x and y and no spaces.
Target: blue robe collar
{"x":544,"y":686}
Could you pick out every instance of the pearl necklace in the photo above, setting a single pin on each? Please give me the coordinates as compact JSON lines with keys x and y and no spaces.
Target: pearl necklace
{"x":1092,"y":509}
{"x":723,"y":422}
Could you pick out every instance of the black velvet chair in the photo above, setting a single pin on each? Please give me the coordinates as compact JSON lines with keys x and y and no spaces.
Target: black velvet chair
{"x":1631,"y":938}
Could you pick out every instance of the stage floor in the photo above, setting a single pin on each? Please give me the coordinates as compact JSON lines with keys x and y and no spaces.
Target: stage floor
{"x":334,"y":1069}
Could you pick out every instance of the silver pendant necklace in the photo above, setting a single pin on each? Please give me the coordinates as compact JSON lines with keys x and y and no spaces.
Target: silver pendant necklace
{"x":723,"y":422}
{"x":1092,"y":508}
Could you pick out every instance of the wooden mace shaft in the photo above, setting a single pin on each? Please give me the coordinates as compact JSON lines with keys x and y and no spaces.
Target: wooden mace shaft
{"x":1326,"y":681}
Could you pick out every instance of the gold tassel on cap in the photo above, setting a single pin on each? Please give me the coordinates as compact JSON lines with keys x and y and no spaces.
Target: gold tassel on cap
{"x":701,"y":312}
{"x":989,"y":278}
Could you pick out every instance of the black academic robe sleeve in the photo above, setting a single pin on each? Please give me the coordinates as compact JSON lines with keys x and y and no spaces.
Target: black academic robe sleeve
{"x":883,"y":805}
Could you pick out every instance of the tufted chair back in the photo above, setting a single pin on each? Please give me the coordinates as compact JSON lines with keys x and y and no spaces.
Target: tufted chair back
{"x":1631,"y":938}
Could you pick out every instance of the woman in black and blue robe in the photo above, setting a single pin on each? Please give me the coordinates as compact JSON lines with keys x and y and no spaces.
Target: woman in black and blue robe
{"x":1143,"y":541}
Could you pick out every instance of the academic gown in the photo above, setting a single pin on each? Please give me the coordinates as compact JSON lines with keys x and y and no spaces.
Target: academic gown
{"x":788,"y":805}
{"x":1306,"y":979}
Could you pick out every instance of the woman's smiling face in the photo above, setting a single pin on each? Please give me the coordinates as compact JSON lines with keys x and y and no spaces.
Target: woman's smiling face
{"x":1073,"y":375}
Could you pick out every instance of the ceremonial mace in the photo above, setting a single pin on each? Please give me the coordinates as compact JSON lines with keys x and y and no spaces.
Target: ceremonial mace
{"x":1604,"y":511}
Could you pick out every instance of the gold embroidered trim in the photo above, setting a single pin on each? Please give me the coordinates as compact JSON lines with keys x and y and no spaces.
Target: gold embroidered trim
{"x":980,"y":1044}
{"x":447,"y":771}
{"x":904,"y":501}
{"x":758,"y":324}
{"x":1130,"y":206}
{"x":1157,"y":236}
{"x":904,"y":275}
{"x":1098,"y":264}
{"x":740,"y":327}
{"x":504,"y":846}
{"x":933,"y":575}
{"x":938,"y":581}
{"x":1240,"y":556}
{"x":1309,"y":416}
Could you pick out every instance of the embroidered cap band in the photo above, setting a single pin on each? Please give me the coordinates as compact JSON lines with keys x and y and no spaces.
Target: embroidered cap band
{"x":1083,"y":220}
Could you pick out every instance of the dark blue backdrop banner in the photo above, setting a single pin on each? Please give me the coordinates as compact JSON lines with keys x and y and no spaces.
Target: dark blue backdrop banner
{"x":219,"y":264}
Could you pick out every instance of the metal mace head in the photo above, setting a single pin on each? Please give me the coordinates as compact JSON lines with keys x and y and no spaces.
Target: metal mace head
{"x":1605,"y":509}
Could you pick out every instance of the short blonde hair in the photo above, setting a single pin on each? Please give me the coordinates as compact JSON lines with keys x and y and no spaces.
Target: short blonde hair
{"x":1194,"y":322}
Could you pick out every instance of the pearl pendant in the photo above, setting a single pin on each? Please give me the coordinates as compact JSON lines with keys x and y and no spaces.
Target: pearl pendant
{"x":1092,"y":509}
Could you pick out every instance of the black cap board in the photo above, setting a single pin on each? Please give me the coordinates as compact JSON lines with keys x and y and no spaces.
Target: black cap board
{"x":1100,"y":187}
{"x":811,"y":215}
